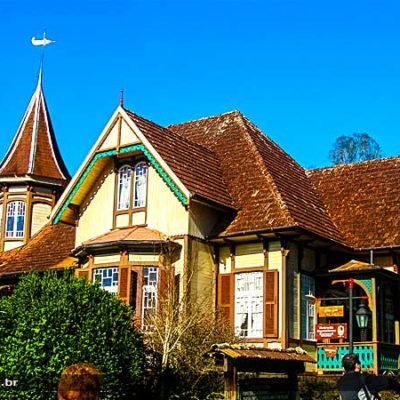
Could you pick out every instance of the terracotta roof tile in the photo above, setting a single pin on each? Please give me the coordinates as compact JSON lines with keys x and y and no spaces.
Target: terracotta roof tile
{"x":269,"y":187}
{"x":50,"y":246}
{"x":34,"y":149}
{"x":196,"y":166}
{"x":363,"y":200}
{"x":136,"y":233}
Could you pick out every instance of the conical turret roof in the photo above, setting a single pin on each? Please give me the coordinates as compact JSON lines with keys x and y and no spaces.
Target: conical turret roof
{"x":34,"y":152}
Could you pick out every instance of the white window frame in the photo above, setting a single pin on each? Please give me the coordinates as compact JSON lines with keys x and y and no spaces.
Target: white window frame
{"x":15,"y":210}
{"x":149,"y":293}
{"x":140,"y":185}
{"x":124,"y":187}
{"x":103,"y":274}
{"x":311,"y":317}
{"x":249,"y":304}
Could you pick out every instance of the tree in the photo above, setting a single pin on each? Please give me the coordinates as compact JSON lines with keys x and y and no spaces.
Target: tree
{"x":358,"y":147}
{"x":50,"y":322}
{"x":182,"y":331}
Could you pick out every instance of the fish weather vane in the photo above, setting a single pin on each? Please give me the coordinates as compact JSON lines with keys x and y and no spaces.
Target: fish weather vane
{"x":42,"y":42}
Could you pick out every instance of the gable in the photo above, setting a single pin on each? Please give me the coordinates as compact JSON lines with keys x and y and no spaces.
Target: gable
{"x":119,"y":138}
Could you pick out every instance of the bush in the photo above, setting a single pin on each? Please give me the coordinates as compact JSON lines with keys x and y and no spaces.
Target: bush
{"x":50,"y":322}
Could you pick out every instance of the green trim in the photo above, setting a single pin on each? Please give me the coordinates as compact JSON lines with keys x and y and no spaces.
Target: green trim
{"x":181,"y":197}
{"x":368,"y":284}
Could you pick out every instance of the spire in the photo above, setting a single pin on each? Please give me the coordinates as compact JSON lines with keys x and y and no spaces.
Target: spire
{"x":34,"y":151}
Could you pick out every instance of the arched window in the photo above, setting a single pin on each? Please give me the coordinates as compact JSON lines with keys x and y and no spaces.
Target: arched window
{"x":140,"y":183}
{"x":15,"y":219}
{"x":124,"y":181}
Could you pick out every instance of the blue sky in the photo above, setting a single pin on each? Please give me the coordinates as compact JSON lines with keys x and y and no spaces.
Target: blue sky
{"x":304,"y":71}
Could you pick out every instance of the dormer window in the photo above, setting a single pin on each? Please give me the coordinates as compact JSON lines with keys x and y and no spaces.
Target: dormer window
{"x":140,"y":184}
{"x":124,"y":187}
{"x":15,"y":219}
{"x":131,"y":194}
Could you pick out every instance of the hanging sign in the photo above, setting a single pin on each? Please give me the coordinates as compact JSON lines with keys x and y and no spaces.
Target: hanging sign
{"x":331,"y":311}
{"x":331,"y":331}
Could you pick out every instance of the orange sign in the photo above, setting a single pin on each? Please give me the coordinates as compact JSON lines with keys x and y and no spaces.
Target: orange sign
{"x":330,"y":331}
{"x":331,"y":311}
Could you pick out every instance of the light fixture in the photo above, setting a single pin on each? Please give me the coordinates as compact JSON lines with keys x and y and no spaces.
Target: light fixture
{"x":362,"y":316}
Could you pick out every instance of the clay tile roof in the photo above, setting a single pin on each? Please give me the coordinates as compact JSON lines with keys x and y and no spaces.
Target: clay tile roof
{"x":363,"y":200}
{"x":136,"y":233}
{"x":48,"y":247}
{"x":269,"y":187}
{"x":34,"y":151}
{"x":196,"y":166}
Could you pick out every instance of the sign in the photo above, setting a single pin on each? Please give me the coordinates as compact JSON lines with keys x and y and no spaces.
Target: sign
{"x":330,"y":331}
{"x":331,"y":311}
{"x":330,"y":351}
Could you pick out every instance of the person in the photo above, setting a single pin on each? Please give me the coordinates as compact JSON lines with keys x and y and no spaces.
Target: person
{"x":79,"y":382}
{"x":353,"y":385}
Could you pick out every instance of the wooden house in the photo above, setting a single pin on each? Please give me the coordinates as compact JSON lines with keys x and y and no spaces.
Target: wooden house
{"x":260,"y":237}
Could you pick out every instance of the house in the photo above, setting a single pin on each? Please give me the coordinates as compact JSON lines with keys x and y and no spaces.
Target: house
{"x":219,"y":209}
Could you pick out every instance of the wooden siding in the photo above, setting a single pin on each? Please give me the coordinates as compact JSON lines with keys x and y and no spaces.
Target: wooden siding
{"x":202,"y":265}
{"x":139,"y":218}
{"x":202,"y":220}
{"x":40,"y":214}
{"x":97,"y":210}
{"x":308,"y":261}
{"x":274,"y":255}
{"x":8,"y":245}
{"x":165,"y":212}
{"x":249,"y":255}
{"x":139,"y":258}
{"x":225,"y":262}
{"x":115,"y":258}
{"x":122,"y":220}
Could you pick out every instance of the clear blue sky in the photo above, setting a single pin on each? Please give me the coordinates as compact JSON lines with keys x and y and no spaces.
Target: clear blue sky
{"x":304,"y":71}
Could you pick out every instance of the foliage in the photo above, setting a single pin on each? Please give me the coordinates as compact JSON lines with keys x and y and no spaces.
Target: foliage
{"x":183,"y":330}
{"x":358,"y":147}
{"x":50,"y":322}
{"x":318,"y":388}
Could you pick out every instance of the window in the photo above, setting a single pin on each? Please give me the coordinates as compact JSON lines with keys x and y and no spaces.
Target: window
{"x":307,"y":307}
{"x":149,"y":294}
{"x":124,"y":180}
{"x":140,"y":183}
{"x":107,"y":278}
{"x":15,"y":219}
{"x":249,"y":304}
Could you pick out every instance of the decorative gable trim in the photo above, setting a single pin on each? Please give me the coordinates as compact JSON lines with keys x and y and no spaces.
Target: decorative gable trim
{"x":181,"y":197}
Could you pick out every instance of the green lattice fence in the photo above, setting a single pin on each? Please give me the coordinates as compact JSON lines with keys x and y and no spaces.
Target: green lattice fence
{"x":365,"y":353}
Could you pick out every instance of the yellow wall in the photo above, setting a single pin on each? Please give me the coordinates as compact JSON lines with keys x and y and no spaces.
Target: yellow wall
{"x":165,"y":212}
{"x":98,"y":208}
{"x":249,"y":255}
{"x":202,"y":281}
{"x":225,"y":261}
{"x":40,"y":213}
{"x":202,"y":220}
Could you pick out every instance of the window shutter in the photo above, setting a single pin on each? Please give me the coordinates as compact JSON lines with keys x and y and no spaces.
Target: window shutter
{"x":225,"y":295}
{"x":82,"y":273}
{"x":271,"y":304}
{"x":166,"y":281}
{"x":124,"y":284}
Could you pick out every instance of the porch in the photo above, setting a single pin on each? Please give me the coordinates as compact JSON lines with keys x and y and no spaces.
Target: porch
{"x":374,"y":356}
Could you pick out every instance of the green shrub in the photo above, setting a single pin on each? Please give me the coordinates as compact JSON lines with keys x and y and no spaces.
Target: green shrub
{"x":50,"y":322}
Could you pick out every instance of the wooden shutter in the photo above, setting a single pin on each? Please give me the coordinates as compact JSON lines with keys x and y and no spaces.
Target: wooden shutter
{"x":166,"y":286}
{"x":271,"y":303}
{"x":82,"y":273}
{"x":123,"y":284}
{"x":225,"y":296}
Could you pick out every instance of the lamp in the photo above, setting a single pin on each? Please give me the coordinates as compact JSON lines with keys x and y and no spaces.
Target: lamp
{"x":362,"y":316}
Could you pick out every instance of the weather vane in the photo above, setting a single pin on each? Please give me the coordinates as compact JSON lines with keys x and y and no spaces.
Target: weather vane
{"x":42,"y":42}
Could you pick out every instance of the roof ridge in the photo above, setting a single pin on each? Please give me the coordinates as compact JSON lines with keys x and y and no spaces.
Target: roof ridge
{"x":348,"y":165}
{"x":277,"y":193}
{"x":173,"y":133}
{"x":234,"y":111}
